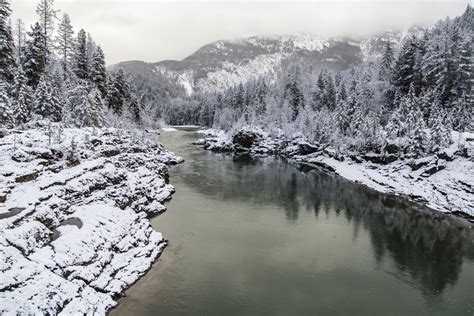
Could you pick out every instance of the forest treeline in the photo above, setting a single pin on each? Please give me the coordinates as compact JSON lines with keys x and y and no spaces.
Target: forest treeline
{"x":412,"y":96}
{"x":48,"y":72}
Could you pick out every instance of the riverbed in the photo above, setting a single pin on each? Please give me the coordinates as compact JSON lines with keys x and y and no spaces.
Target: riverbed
{"x":256,"y":236}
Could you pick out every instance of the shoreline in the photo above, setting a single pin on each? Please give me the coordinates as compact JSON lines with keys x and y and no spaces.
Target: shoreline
{"x":373,"y":176}
{"x":75,"y":216}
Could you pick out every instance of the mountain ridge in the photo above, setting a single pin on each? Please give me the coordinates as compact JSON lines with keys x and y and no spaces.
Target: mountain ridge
{"x":222,"y":64}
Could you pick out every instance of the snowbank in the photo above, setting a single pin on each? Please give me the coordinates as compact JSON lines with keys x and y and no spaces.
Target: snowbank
{"x":74,"y":203}
{"x":444,"y":182}
{"x":169,"y":129}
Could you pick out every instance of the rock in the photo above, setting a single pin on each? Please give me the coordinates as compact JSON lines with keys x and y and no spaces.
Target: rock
{"x":73,"y":161}
{"x":305,"y":148}
{"x":432,"y":170}
{"x":27,"y":177}
{"x":356,"y":159}
{"x":380,"y":159}
{"x":96,"y":142}
{"x":245,"y":138}
{"x":446,"y":156}
{"x":242,"y":149}
{"x":3,"y":198}
{"x":419,"y":163}
{"x":392,"y":148}
{"x":3,"y":133}
{"x":464,"y":152}
{"x":110,"y":152}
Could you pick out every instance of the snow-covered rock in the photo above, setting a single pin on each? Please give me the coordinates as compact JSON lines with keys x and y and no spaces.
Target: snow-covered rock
{"x":74,"y":228}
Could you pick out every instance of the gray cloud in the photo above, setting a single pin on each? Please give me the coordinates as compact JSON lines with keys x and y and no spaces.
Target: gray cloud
{"x":154,"y":30}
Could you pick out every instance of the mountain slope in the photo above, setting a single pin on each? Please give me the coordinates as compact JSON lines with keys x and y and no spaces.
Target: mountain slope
{"x":222,"y":64}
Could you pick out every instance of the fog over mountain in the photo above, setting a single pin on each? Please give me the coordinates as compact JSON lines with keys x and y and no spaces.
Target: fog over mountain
{"x":174,"y":30}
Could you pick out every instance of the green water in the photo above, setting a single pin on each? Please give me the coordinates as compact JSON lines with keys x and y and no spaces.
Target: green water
{"x":263,"y":237}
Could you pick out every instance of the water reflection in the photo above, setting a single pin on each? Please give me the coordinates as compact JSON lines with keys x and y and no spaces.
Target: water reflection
{"x":427,"y":248}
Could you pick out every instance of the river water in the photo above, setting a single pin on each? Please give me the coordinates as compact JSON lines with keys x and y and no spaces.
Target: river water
{"x":263,"y":237}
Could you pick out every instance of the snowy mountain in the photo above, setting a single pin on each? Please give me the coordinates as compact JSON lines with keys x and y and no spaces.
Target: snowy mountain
{"x":225,"y":63}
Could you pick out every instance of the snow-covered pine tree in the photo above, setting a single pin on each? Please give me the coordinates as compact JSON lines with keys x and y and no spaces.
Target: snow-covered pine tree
{"x":6,"y":115}
{"x":465,"y":71}
{"x":80,"y":56}
{"x":7,"y":55}
{"x":19,"y":35}
{"x":35,"y":60}
{"x":135,"y":109}
{"x":463,"y":115}
{"x":440,"y":135}
{"x":47,"y":16}
{"x":65,"y":41}
{"x":84,"y":107}
{"x":118,"y":91}
{"x":292,"y":92}
{"x":418,"y":142}
{"x":404,"y":69}
{"x":45,"y":100}
{"x":21,"y":97}
{"x":403,"y":121}
{"x":91,"y":47}
{"x":386,"y":64}
{"x":98,"y":71}
{"x":238,"y":99}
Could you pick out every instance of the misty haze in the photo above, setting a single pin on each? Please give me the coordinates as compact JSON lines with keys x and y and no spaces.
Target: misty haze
{"x":236,"y":157}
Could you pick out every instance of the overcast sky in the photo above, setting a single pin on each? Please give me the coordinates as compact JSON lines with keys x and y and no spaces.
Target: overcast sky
{"x":153,"y":30}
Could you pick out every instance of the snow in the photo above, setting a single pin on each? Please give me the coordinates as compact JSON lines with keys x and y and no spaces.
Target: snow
{"x":80,"y":234}
{"x":443,"y":182}
{"x":169,"y":129}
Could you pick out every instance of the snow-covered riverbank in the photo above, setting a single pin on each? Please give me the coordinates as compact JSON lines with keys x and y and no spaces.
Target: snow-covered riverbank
{"x":74,"y":232}
{"x":443,"y":182}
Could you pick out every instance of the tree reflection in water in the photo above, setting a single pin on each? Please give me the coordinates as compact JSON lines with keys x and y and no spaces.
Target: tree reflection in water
{"x":427,"y":248}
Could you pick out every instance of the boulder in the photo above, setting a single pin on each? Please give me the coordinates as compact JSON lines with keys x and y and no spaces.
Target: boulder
{"x":305,"y":148}
{"x":245,"y":139}
{"x":432,"y":170}
{"x":380,"y":159}
{"x":110,"y":152}
{"x":27,"y":177}
{"x":445,"y":155}
{"x":392,"y":148}
{"x":419,"y":163}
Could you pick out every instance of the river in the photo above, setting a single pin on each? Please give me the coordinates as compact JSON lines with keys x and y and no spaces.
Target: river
{"x":260,"y":236}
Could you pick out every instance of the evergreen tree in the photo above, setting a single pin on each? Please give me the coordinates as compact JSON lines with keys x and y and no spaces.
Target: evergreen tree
{"x":410,"y":110}
{"x":465,"y":71}
{"x":35,"y":65}
{"x":84,"y":107}
{"x":65,"y":41}
{"x":7,"y":56}
{"x":135,"y":109}
{"x":21,"y":97}
{"x":19,"y":36}
{"x":293,"y":93}
{"x":91,"y":48}
{"x":404,"y":70}
{"x":46,"y":102}
{"x":418,"y":137}
{"x":118,"y":92}
{"x":440,"y":136}
{"x":99,"y":71}
{"x":238,"y":100}
{"x":47,"y":15}
{"x":80,"y":56}
{"x":386,"y":65}
{"x":6,"y":116}
{"x":463,"y":115}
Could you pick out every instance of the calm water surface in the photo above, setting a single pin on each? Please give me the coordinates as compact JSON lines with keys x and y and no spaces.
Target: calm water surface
{"x":262,"y":237}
